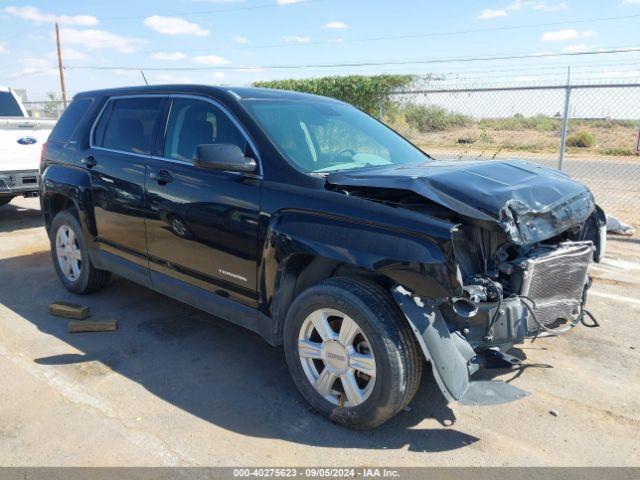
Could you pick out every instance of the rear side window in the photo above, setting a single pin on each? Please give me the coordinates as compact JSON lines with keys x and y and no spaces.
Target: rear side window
{"x":130,"y":125}
{"x":63,"y":131}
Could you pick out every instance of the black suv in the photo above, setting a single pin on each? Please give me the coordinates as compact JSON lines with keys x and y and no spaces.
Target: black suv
{"x":307,"y":221}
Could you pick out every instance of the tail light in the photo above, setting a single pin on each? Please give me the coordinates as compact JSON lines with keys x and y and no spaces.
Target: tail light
{"x":43,"y":157}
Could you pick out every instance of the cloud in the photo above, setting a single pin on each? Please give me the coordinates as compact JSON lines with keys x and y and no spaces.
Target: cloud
{"x":167,"y":78}
{"x":489,"y":13}
{"x":568,"y":34}
{"x":250,"y":69}
{"x":335,"y":25}
{"x":168,"y":56}
{"x":296,"y":39}
{"x":240,"y":39}
{"x":560,"y":35}
{"x":517,"y":5}
{"x":630,"y":2}
{"x":36,"y":66}
{"x":3,"y":49}
{"x":336,"y":40}
{"x":100,"y":39}
{"x":68,"y":54}
{"x":174,"y":26}
{"x":289,"y":2}
{"x":558,"y":7}
{"x":33,"y":14}
{"x":218,"y":75}
{"x":579,"y":47}
{"x":210,"y":60}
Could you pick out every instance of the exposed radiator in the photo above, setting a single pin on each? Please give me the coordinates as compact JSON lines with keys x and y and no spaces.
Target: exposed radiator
{"x":555,"y":281}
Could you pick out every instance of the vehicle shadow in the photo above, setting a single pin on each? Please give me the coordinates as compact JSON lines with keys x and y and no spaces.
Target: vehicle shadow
{"x":15,"y":217}
{"x":208,"y":367}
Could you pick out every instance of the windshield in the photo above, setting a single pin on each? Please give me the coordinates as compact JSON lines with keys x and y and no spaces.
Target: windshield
{"x":8,"y":106}
{"x":322,"y":137}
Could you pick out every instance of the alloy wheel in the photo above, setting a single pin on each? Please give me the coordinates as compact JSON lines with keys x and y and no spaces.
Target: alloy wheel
{"x":68,"y":253}
{"x":337,"y":357}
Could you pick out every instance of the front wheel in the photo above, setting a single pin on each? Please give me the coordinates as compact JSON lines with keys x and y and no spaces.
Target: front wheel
{"x":5,"y":200}
{"x":351,"y":353}
{"x":71,"y":257}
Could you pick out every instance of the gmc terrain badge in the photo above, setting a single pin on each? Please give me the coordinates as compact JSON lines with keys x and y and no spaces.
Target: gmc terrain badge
{"x":27,"y":140}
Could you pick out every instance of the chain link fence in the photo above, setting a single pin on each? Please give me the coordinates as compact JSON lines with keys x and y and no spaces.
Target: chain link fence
{"x":49,"y":109}
{"x":588,"y":131}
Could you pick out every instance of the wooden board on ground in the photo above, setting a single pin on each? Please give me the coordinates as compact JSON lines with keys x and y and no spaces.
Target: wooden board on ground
{"x":92,"y":326}
{"x":69,"y":310}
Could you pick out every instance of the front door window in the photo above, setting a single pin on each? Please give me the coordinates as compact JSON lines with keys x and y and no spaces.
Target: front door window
{"x":195,"y":122}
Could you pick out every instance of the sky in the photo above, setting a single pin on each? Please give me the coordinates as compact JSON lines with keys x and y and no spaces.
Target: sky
{"x":236,"y":42}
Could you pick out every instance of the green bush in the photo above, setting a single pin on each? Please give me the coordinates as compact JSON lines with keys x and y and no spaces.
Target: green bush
{"x":581,"y":139}
{"x":365,"y":92}
{"x":433,"y":119}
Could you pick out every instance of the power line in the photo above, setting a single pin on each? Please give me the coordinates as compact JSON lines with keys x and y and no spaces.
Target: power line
{"x":410,"y":36}
{"x":364,"y":64}
{"x":216,"y":11}
{"x":526,"y":68}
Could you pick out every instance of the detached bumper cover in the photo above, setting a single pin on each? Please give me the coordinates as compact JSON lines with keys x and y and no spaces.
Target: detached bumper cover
{"x":451,"y":356}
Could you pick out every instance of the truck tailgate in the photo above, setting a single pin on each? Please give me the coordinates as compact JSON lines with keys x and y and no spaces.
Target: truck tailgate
{"x":20,"y":146}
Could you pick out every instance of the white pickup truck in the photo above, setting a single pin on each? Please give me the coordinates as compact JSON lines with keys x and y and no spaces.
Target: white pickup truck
{"x":21,"y":140}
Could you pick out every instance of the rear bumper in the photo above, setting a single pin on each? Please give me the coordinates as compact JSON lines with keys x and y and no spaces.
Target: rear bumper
{"x":19,"y":182}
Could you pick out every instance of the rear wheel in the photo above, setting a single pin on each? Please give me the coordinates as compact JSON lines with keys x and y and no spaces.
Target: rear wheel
{"x":351,"y":353}
{"x":71,"y":258}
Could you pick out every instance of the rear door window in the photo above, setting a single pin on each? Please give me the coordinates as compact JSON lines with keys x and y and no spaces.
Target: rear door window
{"x":63,"y":131}
{"x":130,"y":124}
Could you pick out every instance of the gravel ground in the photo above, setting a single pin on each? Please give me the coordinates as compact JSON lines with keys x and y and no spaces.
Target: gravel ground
{"x":174,"y":386}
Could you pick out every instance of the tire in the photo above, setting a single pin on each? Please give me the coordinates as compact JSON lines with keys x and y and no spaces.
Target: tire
{"x":5,"y":200}
{"x":87,"y":278}
{"x":397,"y":360}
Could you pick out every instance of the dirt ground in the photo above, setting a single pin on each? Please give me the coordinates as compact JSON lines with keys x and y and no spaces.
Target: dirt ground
{"x":174,"y":386}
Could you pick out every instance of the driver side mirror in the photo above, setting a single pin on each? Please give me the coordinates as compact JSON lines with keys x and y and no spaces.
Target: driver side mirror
{"x":223,"y":156}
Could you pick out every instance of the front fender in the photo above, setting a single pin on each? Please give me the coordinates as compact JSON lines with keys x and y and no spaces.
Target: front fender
{"x":419,"y":263}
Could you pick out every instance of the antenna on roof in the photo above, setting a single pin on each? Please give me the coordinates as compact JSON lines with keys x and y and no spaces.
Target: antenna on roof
{"x":144,"y":78}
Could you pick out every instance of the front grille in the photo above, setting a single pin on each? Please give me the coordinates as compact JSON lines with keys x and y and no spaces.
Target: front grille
{"x":555,"y":281}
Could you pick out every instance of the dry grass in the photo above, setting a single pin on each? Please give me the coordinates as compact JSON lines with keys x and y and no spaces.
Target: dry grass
{"x":490,"y":137}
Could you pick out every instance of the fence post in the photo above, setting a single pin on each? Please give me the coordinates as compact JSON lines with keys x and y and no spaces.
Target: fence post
{"x":565,"y":119}
{"x":381,"y":110}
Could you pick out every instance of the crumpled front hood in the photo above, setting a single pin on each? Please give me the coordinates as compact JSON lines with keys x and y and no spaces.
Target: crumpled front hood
{"x":528,"y":201}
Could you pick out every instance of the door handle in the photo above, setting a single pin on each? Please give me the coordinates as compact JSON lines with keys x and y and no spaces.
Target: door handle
{"x":89,"y":161}
{"x":162,"y":177}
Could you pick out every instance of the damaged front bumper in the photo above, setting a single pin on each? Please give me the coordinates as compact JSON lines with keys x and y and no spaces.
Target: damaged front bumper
{"x":550,"y":301}
{"x":452,"y":357}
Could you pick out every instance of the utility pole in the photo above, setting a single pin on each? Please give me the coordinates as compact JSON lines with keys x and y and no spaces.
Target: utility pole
{"x":565,"y":119}
{"x":62,"y":87}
